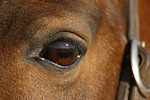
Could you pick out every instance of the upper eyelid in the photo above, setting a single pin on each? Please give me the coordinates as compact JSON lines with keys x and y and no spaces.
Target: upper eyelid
{"x":71,"y":24}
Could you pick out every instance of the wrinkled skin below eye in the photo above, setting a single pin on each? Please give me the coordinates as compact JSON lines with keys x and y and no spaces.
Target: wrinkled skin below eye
{"x":62,"y":53}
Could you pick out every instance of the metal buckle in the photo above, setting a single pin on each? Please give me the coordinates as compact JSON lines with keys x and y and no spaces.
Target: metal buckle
{"x":135,"y":68}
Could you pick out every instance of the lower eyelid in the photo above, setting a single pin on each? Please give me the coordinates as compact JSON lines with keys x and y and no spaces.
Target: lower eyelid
{"x":50,"y":65}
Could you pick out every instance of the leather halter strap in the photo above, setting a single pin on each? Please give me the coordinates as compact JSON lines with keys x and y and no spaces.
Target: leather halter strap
{"x":133,"y":20}
{"x":135,"y":67}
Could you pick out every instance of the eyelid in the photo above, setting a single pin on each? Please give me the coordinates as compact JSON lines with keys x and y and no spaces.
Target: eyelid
{"x":71,"y":24}
{"x":48,"y":64}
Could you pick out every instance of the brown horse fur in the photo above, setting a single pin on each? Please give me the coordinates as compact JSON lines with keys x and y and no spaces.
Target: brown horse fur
{"x":26,"y":24}
{"x":144,"y":6}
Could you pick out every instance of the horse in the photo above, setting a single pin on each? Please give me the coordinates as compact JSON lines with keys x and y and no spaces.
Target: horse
{"x":63,"y":49}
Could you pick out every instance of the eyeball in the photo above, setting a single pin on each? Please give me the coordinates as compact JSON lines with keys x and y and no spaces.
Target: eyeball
{"x":61,"y":52}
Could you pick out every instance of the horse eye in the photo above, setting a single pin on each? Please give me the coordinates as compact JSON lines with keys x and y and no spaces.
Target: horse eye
{"x":61,"y":52}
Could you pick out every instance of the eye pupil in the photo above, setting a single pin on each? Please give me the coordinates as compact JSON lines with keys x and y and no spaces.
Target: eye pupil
{"x":61,"y":52}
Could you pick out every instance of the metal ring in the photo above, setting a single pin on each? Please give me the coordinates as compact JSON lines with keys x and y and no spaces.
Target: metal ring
{"x":135,"y":68}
